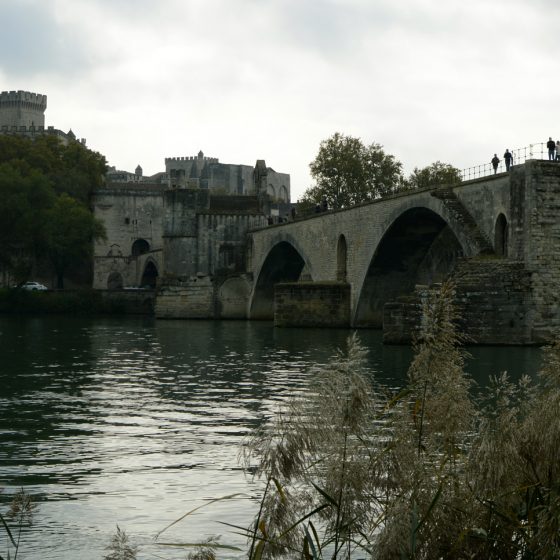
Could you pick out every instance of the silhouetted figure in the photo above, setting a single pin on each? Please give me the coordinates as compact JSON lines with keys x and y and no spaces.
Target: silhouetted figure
{"x":324,"y":205}
{"x":293,"y":212}
{"x":495,"y":161}
{"x":551,"y":148}
{"x":317,"y":208}
{"x":270,"y":221}
{"x":558,"y":150}
{"x":508,"y":158}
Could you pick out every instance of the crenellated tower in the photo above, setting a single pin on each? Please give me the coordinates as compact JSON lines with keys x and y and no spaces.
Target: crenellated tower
{"x":22,"y":109}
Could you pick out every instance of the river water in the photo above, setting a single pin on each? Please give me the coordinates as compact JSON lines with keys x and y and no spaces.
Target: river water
{"x":135,"y":422}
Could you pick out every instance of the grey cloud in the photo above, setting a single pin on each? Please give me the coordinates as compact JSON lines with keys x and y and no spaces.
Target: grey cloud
{"x":33,"y":42}
{"x":327,"y":26}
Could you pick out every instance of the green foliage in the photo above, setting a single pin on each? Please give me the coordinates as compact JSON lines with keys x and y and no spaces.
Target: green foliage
{"x":44,"y":191}
{"x":72,"y":169}
{"x":24,"y":200}
{"x":433,"y":175}
{"x":70,"y":231}
{"x":348,"y":172}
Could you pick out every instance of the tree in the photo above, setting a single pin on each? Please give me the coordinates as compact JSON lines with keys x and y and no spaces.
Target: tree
{"x":72,"y":168}
{"x":348,"y":172}
{"x":24,"y":200}
{"x":437,"y":173}
{"x":40,"y":180}
{"x":71,"y":230}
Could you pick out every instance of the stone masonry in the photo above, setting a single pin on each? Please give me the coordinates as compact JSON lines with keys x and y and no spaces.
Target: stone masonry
{"x":499,"y":235}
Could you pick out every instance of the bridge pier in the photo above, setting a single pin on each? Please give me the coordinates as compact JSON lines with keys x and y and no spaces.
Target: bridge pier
{"x":312,"y":304}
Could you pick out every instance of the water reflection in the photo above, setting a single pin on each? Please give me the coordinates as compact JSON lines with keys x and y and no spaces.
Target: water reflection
{"x":135,"y":421}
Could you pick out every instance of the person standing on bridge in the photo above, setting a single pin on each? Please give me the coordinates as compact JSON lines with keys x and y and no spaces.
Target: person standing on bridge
{"x":551,"y":147}
{"x":508,"y":158}
{"x":558,"y":151}
{"x":495,"y":161}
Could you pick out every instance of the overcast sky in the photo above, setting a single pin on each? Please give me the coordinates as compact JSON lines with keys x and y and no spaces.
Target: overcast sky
{"x":142,"y":80}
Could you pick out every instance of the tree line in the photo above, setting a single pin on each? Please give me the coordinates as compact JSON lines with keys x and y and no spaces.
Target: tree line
{"x":45,"y":219}
{"x":347,"y":172}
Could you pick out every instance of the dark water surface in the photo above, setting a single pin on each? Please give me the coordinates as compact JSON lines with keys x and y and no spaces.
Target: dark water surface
{"x":136,"y":421}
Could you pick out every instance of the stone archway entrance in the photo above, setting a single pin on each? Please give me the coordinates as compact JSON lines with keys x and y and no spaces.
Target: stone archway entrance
{"x":149,"y":277}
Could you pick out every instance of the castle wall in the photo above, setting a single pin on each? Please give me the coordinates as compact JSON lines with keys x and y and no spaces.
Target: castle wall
{"x":205,"y":234}
{"x":224,"y":178}
{"x":129,"y":213}
{"x":278,"y":186}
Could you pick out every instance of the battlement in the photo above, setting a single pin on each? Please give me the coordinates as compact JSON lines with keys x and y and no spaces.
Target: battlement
{"x":22,"y":108}
{"x":34,"y":131}
{"x":11,"y":98}
{"x":18,"y":129}
{"x":191,"y":158}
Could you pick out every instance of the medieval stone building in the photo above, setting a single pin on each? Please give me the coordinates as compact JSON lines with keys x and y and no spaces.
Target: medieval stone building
{"x":22,"y":113}
{"x":185,"y":224}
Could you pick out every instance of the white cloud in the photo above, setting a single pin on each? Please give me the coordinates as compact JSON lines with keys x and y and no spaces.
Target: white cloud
{"x":248,"y":79}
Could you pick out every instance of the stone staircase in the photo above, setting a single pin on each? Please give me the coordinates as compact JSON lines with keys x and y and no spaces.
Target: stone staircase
{"x":464,"y":217}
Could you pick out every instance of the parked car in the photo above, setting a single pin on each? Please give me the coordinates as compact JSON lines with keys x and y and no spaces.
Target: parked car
{"x":33,"y":286}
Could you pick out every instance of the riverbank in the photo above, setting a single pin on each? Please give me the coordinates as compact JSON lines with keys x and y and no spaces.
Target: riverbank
{"x":77,"y":302}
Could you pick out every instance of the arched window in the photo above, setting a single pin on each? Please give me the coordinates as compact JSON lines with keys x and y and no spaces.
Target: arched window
{"x":501,"y":236}
{"x":115,"y":281}
{"x":271,"y":191}
{"x":139,"y":247}
{"x":341,"y":251}
{"x":283,"y":194}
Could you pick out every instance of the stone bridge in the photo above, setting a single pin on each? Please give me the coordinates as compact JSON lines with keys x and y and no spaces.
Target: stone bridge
{"x":502,"y":233}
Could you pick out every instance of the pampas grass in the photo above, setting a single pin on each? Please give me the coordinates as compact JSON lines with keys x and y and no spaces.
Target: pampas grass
{"x":430,"y":473}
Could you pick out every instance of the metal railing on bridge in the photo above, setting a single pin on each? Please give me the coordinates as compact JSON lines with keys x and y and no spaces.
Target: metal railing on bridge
{"x":520,"y":155}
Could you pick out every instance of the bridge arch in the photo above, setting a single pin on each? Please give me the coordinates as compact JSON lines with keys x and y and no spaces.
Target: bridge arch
{"x":283,"y":263}
{"x":417,"y":247}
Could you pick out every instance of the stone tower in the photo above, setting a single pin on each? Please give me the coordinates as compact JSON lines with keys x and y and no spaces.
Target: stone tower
{"x":22,"y":108}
